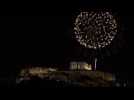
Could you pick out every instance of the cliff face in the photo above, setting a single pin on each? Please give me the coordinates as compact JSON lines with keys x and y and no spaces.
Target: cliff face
{"x":65,"y":78}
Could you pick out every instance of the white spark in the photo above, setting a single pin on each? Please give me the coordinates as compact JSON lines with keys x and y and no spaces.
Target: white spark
{"x":97,"y":35}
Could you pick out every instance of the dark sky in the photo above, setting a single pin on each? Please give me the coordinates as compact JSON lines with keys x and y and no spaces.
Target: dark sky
{"x":42,"y":35}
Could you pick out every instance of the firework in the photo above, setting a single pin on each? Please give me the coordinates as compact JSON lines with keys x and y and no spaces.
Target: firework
{"x":95,"y":29}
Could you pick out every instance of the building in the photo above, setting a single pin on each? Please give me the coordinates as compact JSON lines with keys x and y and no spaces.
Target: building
{"x":80,"y":66}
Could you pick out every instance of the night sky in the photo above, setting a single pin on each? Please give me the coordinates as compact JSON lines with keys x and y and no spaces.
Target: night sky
{"x":42,"y":35}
